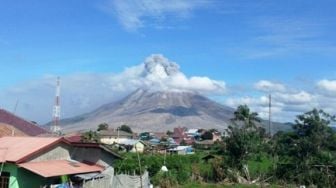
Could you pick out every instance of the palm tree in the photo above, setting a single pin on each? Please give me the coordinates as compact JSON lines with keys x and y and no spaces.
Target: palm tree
{"x":244,"y":114}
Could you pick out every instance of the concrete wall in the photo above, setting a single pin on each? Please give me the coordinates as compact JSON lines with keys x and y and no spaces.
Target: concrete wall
{"x":93,"y":155}
{"x":58,"y":152}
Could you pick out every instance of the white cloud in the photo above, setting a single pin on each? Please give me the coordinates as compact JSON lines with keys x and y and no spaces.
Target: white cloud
{"x":81,"y":93}
{"x":268,"y":86}
{"x":288,"y":101}
{"x":134,"y":14}
{"x":301,"y":97}
{"x":327,"y":85}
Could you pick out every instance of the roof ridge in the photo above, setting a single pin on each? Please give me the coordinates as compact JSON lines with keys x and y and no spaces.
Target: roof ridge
{"x":8,"y":112}
{"x":22,"y":124}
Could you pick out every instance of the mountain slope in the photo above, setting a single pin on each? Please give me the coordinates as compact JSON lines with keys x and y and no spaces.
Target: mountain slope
{"x":156,"y":111}
{"x":144,"y":110}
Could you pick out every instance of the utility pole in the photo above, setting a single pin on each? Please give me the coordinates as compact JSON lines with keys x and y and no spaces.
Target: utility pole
{"x":57,"y":109}
{"x":270,"y":115}
{"x":136,"y":150}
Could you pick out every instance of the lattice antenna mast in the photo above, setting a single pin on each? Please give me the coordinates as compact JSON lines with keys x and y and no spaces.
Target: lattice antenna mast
{"x":57,"y":108}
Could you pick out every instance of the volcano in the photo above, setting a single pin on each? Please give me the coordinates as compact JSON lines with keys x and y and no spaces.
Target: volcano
{"x":155,"y":111}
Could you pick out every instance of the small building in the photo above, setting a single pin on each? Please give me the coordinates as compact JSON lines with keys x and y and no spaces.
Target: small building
{"x":46,"y":162}
{"x":216,"y":136}
{"x":111,"y":136}
{"x":179,"y":134}
{"x":182,"y":150}
{"x":132,"y":145}
{"x":204,"y":144}
{"x":159,"y":135}
{"x":192,"y":132}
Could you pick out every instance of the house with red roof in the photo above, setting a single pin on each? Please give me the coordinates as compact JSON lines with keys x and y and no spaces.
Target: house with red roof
{"x":180,"y":134}
{"x":12,"y":125}
{"x":49,"y":161}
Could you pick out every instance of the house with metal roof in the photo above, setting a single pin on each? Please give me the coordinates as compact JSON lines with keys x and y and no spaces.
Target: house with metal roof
{"x":111,"y":136}
{"x":132,"y":145}
{"x":182,"y":150}
{"x":46,"y":162}
{"x":13,"y":125}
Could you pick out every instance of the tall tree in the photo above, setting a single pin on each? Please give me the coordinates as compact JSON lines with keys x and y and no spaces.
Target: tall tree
{"x":244,"y":114}
{"x":90,"y":136}
{"x":102,"y":126}
{"x":243,"y":142}
{"x":126,"y":128}
{"x":305,"y":154}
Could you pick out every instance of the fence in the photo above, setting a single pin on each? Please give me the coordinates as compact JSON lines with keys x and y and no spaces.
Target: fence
{"x":131,"y":181}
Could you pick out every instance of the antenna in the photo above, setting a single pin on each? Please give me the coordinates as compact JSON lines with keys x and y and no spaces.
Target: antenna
{"x":270,"y":115}
{"x":16,"y":104}
{"x":55,"y":128}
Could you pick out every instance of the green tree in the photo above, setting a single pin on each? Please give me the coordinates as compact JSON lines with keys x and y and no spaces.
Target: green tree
{"x":244,"y":114}
{"x":305,"y":155}
{"x":169,"y":133}
{"x":102,"y":126}
{"x":90,"y":136}
{"x":207,"y":135}
{"x":125,"y":128}
{"x":243,"y":142}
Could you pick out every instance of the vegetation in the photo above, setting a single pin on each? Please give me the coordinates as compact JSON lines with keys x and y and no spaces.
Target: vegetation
{"x":207,"y":135}
{"x":103,"y":126}
{"x":90,"y":136}
{"x":247,"y":157}
{"x":125,"y":128}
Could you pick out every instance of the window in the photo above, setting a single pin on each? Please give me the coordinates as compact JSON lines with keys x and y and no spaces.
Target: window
{"x":4,"y":180}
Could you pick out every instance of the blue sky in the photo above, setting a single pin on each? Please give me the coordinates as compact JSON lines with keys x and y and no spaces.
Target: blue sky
{"x":287,"y":42}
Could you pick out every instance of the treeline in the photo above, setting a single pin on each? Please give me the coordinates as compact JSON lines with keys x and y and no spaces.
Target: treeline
{"x":249,"y":155}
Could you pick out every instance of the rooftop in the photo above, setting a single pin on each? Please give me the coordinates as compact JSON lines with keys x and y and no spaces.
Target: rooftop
{"x":14,"y":149}
{"x":112,"y":132}
{"x":9,"y":130}
{"x":27,"y":127}
{"x":60,"y":167}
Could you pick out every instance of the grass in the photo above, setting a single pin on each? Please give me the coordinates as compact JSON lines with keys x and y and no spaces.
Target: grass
{"x":260,"y":165}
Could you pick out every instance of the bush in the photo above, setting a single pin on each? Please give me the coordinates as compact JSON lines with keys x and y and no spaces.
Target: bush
{"x":165,"y":180}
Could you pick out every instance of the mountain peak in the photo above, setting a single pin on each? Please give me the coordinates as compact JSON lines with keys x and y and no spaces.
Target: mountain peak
{"x":150,"y":110}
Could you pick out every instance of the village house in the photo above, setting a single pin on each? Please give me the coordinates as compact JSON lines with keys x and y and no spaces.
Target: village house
{"x":180,"y":136}
{"x":192,"y":132}
{"x":216,"y":136}
{"x":44,"y":162}
{"x":182,"y":150}
{"x":111,"y":136}
{"x":132,"y":145}
{"x":12,"y":125}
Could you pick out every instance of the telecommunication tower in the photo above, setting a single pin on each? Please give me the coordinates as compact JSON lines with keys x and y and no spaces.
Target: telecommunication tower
{"x":55,"y":128}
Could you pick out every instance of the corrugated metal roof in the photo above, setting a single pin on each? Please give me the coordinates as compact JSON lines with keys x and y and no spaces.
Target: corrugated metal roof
{"x":60,"y":167}
{"x":127,"y":141}
{"x":119,"y":133}
{"x":23,"y":125}
{"x":13,"y":149}
{"x":90,"y":176}
{"x":180,"y":148}
{"x":9,"y":130}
